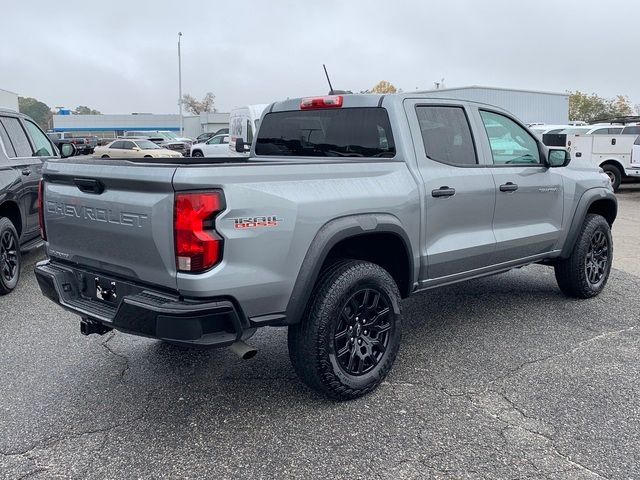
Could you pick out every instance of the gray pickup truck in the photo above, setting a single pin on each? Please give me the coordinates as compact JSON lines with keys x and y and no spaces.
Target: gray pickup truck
{"x":346,"y":205}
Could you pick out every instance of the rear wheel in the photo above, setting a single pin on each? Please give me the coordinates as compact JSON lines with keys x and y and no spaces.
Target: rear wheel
{"x":10,"y":259}
{"x":585,"y":273}
{"x":614,"y":174}
{"x":349,"y":336}
{"x":105,"y":156}
{"x":198,"y":153}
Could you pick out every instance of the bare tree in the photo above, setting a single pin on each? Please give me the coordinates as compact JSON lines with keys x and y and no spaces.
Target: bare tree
{"x":196,"y":107}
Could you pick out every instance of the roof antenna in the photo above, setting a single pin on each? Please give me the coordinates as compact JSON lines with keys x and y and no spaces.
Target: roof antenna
{"x":329,"y":81}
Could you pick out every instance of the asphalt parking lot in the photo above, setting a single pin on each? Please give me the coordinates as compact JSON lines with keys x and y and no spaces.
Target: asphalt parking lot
{"x":501,"y":377}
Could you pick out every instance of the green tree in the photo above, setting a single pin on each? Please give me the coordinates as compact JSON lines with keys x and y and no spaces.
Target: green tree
{"x":37,"y":110}
{"x":83,"y":110}
{"x":197,"y":107}
{"x":589,"y":107}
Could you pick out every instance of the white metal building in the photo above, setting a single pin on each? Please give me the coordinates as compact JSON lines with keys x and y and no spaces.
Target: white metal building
{"x":8,"y":99}
{"x":528,"y":105}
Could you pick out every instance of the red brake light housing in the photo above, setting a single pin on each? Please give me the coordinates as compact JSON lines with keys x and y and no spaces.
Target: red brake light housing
{"x":329,"y":101}
{"x":197,"y":244}
{"x":43,"y":232}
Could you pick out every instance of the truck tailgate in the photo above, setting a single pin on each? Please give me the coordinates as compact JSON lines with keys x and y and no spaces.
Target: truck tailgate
{"x":114,"y":218}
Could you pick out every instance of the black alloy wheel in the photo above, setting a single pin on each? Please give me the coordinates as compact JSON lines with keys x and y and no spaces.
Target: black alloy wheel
{"x":363,"y":331}
{"x":597,"y":258}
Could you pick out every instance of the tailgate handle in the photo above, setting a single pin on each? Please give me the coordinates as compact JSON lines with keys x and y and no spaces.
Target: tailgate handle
{"x":89,"y":185}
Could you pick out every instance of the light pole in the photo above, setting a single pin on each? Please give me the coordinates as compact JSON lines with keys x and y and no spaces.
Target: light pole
{"x":180,"y":85}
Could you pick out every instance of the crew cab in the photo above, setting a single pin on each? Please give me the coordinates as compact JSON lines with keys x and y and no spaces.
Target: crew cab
{"x":345,"y":205}
{"x":23,"y":149}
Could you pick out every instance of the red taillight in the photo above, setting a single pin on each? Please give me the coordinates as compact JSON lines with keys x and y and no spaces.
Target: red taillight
{"x":330,"y":101}
{"x":43,"y":232}
{"x":198,"y":246}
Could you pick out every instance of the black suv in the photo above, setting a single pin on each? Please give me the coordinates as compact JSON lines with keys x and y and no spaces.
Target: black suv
{"x":23,"y":150}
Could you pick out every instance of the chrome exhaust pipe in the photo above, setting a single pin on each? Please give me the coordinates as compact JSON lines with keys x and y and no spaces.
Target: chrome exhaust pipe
{"x":243,"y":350}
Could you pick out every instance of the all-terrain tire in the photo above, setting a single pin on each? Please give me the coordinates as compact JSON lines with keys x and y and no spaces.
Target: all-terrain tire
{"x":572,"y":274}
{"x":10,"y":258}
{"x":334,"y":303}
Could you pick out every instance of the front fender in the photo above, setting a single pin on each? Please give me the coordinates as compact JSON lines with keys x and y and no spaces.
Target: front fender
{"x":588,"y":198}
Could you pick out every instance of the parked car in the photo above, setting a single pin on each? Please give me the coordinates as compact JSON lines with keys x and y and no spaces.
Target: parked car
{"x":346,"y":204}
{"x":203,"y":137}
{"x":23,"y":150}
{"x":163,"y":139}
{"x":134,"y":148}
{"x":217,"y":146}
{"x":84,"y":143}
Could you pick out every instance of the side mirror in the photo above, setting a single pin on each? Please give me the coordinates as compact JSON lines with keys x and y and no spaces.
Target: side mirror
{"x":558,"y":158}
{"x":137,"y":149}
{"x":242,"y":147}
{"x":67,"y":150}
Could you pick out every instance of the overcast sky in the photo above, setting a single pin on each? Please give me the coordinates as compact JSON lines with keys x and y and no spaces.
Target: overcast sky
{"x":121,"y":56}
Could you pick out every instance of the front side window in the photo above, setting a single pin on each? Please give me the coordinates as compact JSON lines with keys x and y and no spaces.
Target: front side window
{"x":446,"y":134}
{"x":17,"y":136}
{"x":215,"y":141}
{"x":510,"y":143}
{"x":337,"y":132}
{"x":40,"y":140}
{"x":634,"y":130}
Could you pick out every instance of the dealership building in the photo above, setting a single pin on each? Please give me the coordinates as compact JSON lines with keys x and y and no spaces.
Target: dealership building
{"x":109,"y":126}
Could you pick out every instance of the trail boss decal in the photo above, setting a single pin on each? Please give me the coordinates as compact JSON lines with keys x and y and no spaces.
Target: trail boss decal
{"x":256,"y":222}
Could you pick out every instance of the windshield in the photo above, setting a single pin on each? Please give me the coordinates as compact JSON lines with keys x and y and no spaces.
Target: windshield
{"x":169,"y":135}
{"x":147,"y":145}
{"x":344,"y":132}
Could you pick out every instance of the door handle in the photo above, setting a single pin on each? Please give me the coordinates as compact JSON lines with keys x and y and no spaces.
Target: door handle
{"x":508,"y":187}
{"x":26,"y":172}
{"x":443,"y":191}
{"x":89,"y":185}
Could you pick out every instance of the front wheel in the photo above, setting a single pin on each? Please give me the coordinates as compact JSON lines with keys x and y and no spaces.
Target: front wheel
{"x":198,"y":153}
{"x":349,"y":336}
{"x":585,"y":273}
{"x":10,"y":259}
{"x":105,"y":156}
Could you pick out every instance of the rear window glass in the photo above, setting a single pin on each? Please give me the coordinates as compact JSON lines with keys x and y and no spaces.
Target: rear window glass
{"x":343,"y":132}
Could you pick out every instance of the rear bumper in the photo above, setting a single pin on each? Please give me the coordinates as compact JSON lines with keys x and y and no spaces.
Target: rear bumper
{"x":145,"y":312}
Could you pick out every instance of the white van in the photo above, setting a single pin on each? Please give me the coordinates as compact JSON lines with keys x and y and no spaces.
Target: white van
{"x":243,"y":123}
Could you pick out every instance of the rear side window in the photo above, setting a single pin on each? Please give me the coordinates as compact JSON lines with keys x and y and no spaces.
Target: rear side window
{"x":446,"y":135}
{"x":8,"y":146}
{"x":340,"y":132}
{"x":637,"y":142}
{"x":17,"y":136}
